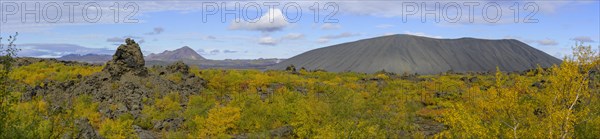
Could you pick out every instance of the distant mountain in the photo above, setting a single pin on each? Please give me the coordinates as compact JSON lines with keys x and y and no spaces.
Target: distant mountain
{"x":225,"y":64}
{"x":183,"y":53}
{"x":88,"y":58}
{"x":422,"y":55}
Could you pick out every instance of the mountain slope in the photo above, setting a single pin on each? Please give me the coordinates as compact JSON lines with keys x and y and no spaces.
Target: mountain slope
{"x":422,"y":55}
{"x":88,"y":58}
{"x":183,"y":53}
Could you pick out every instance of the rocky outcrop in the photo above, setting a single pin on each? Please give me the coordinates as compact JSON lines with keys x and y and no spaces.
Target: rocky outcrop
{"x":143,"y":134}
{"x":84,"y":130}
{"x":127,"y":58}
{"x":169,"y":124}
{"x":179,"y":66}
{"x":121,"y":86}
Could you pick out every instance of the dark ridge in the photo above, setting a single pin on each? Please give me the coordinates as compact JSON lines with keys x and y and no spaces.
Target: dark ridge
{"x":416,"y":54}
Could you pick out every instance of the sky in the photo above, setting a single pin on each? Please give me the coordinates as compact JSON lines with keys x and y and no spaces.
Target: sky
{"x":283,"y":29}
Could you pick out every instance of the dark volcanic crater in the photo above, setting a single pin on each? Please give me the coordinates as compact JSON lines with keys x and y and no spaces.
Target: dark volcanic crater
{"x":422,"y":55}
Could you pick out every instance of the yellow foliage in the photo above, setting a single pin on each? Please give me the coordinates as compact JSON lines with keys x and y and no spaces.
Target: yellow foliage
{"x":382,"y":76}
{"x":166,"y":107}
{"x":32,"y":113}
{"x":512,"y":108}
{"x":175,"y":77}
{"x":559,"y":102}
{"x":117,"y":129}
{"x":35,"y":73}
{"x":309,"y":116}
{"x":85,"y":108}
{"x":221,"y":122}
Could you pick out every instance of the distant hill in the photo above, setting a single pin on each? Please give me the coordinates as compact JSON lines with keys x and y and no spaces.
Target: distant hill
{"x":260,"y":64}
{"x":422,"y":55}
{"x":88,"y":58}
{"x":183,"y":53}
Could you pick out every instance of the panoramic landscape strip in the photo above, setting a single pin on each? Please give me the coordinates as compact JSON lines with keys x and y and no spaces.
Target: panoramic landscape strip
{"x":299,"y":69}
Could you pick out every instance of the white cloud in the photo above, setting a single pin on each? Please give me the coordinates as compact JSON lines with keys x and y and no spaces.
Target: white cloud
{"x":373,"y":8}
{"x":293,"y":36}
{"x":229,"y":51}
{"x":330,"y":26}
{"x":542,"y":42}
{"x":55,"y":50}
{"x":204,"y":52}
{"x":210,"y":37}
{"x":268,"y":40}
{"x":120,"y":40}
{"x":214,"y":52}
{"x":327,"y":38}
{"x":520,"y":39}
{"x":271,"y":21}
{"x":156,"y":31}
{"x":583,"y":39}
{"x":547,"y":42}
{"x":513,"y":37}
{"x":422,"y":34}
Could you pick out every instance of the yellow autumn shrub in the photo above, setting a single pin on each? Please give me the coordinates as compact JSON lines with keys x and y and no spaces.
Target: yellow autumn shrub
{"x":84,"y":107}
{"x":117,"y":129}
{"x":513,"y":108}
{"x":36,"y":73}
{"x":220,"y":122}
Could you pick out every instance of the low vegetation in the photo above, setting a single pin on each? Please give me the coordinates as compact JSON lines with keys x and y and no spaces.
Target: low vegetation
{"x":558,"y":102}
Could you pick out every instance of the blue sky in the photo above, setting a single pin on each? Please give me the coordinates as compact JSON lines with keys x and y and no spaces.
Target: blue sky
{"x":168,"y":25}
